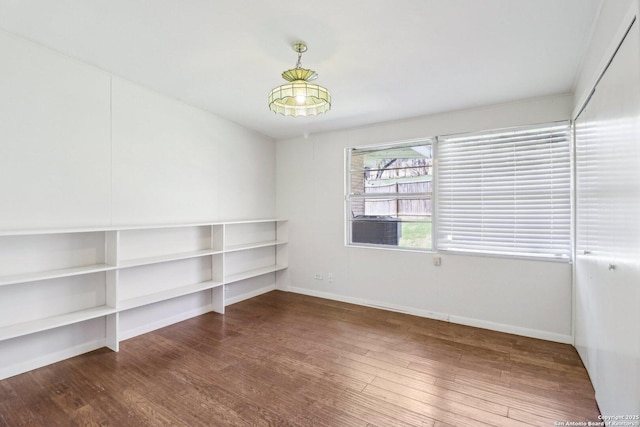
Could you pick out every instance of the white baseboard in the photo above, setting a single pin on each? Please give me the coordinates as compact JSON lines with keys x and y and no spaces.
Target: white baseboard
{"x":500,"y":327}
{"x":247,"y":295}
{"x":511,"y":329}
{"x":373,"y":304}
{"x":39,"y":362}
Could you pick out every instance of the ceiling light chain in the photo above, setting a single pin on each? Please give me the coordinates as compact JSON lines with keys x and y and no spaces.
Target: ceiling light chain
{"x":299,"y":97}
{"x":299,"y":47}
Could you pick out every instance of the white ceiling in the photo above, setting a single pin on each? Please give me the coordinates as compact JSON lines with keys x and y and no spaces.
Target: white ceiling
{"x":381,"y":59}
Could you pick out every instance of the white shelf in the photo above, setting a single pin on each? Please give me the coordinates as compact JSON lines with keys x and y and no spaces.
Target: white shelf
{"x":35,"y":231}
{"x":54,"y":274}
{"x":116,"y":250}
{"x":165,"y":295}
{"x":253,"y":273}
{"x":165,"y":258}
{"x":25,"y":328}
{"x":253,"y":221}
{"x":235,"y":248}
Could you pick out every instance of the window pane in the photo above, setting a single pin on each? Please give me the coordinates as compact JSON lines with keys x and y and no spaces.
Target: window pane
{"x":392,"y":232}
{"x":389,"y":195}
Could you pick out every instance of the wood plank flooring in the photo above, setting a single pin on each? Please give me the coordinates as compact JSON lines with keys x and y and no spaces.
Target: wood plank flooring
{"x":293,"y":360}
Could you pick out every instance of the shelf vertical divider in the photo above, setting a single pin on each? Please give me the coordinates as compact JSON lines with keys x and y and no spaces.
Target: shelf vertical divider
{"x":112,"y":240}
{"x":282,"y":254}
{"x":217,"y":267}
{"x":217,"y":299}
{"x":217,"y":293}
{"x":217,"y":237}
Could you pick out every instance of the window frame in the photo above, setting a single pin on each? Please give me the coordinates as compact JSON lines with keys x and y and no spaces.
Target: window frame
{"x":351,"y":196}
{"x":434,"y":198}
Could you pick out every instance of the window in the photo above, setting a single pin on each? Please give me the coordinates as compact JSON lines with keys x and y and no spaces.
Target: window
{"x":389,"y":195}
{"x":506,"y":192}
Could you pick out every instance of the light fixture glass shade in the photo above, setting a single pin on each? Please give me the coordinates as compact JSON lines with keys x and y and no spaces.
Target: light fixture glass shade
{"x":299,"y":97}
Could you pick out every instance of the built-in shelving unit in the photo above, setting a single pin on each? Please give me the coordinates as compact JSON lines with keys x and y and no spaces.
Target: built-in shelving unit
{"x":52,"y":282}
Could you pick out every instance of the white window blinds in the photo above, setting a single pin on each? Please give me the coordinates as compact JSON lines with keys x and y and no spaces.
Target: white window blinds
{"x":506,"y":192}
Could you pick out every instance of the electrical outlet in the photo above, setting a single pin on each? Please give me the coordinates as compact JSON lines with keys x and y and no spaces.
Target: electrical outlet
{"x":330,"y":277}
{"x":318,"y":276}
{"x":437,"y":261}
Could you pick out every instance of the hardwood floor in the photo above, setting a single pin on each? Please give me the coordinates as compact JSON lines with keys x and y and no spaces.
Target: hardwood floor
{"x":288,"y":359}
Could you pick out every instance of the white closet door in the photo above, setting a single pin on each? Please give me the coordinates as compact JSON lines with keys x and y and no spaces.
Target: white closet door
{"x":608,"y":233}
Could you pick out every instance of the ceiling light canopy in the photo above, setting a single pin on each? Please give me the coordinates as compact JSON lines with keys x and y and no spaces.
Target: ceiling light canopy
{"x":299,"y":97}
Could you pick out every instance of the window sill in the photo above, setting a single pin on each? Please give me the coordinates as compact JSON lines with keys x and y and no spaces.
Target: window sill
{"x":461,"y":253}
{"x":507,"y":256}
{"x":390,"y":248}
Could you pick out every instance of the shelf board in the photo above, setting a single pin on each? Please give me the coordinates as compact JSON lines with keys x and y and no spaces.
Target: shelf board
{"x":254,"y":245}
{"x":253,"y":273}
{"x":28,"y":232}
{"x":54,"y":274}
{"x":254,"y":221}
{"x":33,"y":326}
{"x":165,"y":258}
{"x":165,"y":295}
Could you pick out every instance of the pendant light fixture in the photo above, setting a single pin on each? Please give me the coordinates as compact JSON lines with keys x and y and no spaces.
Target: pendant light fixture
{"x":299,"y":97}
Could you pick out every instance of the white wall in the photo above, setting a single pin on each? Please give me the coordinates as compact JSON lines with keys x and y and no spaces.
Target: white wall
{"x":522,"y":296}
{"x":82,"y":148}
{"x":54,"y":139}
{"x":607,"y":319}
